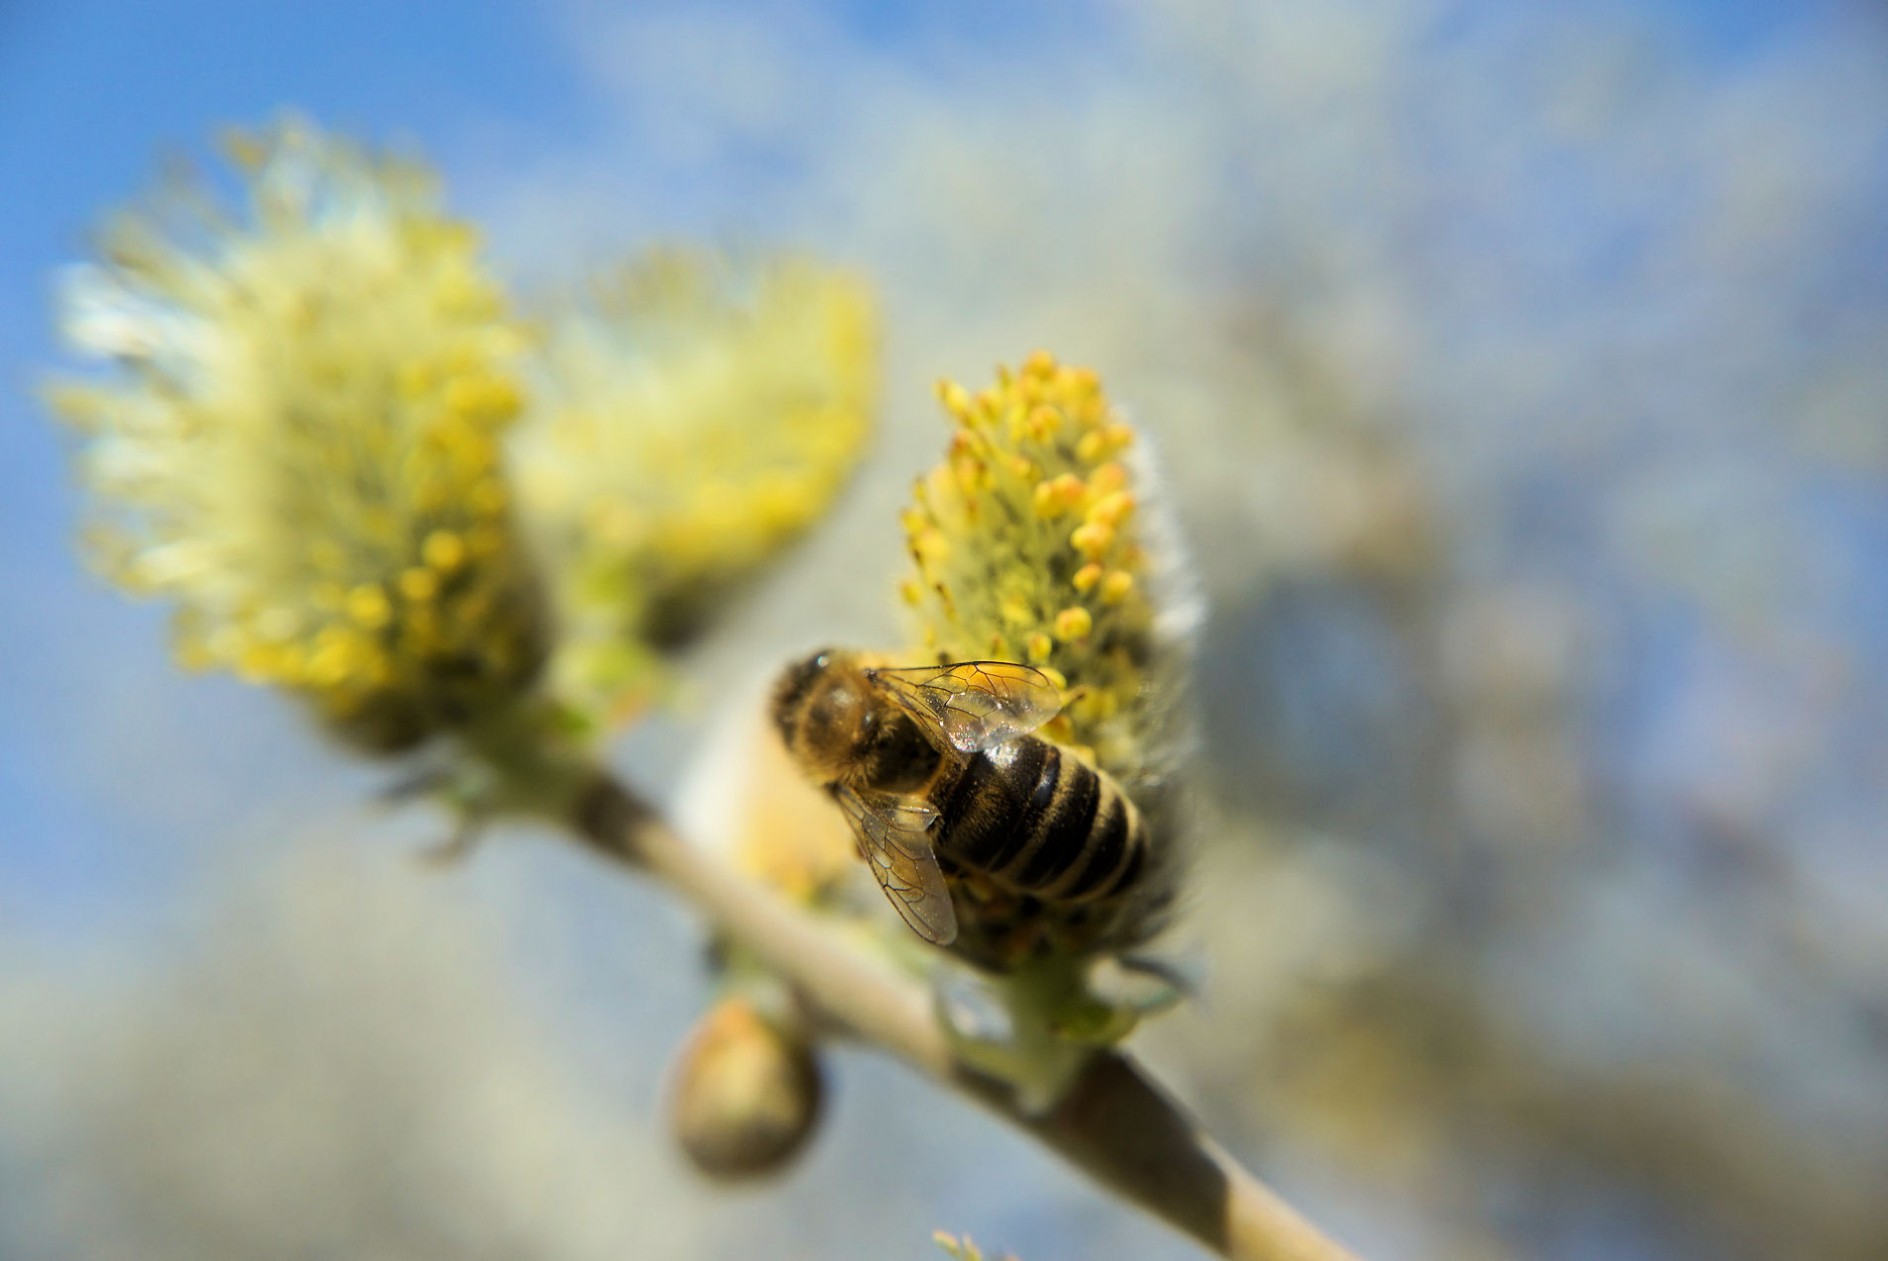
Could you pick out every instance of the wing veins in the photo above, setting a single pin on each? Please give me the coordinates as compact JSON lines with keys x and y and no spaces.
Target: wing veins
{"x":975,"y":704}
{"x":893,"y":837}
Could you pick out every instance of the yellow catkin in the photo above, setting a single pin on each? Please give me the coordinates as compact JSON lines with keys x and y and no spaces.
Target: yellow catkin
{"x":698,"y":414}
{"x":1038,"y":554}
{"x":248,"y":341}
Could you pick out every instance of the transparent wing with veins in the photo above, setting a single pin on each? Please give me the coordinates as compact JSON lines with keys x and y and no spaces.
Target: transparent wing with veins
{"x":894,"y":839}
{"x":976,"y":704}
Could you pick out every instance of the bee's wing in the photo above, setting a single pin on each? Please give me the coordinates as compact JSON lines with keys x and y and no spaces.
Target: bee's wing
{"x":894,"y":839}
{"x":976,"y":704}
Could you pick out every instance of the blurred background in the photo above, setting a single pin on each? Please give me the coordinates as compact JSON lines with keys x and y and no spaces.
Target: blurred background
{"x":1522,"y":378}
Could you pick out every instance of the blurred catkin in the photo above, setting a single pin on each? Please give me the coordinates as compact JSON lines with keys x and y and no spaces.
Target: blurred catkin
{"x":299,"y":442}
{"x":699,"y":414}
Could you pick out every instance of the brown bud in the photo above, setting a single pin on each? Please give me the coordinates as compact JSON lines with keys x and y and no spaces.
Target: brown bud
{"x":745,"y":1095}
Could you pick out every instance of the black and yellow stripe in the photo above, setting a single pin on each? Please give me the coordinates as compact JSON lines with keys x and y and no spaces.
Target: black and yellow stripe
{"x":1042,"y":822}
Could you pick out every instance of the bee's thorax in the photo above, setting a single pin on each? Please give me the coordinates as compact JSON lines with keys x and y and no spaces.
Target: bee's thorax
{"x":840,"y":728}
{"x":897,"y":756}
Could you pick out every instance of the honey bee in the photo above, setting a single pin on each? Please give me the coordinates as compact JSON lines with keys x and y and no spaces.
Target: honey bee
{"x":948,"y":791}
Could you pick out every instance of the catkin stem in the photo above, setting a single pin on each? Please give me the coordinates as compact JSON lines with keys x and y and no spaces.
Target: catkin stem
{"x":1115,"y":1124}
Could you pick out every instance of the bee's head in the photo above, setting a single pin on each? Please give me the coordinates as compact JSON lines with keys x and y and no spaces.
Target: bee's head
{"x":796,"y":683}
{"x":818,"y":707}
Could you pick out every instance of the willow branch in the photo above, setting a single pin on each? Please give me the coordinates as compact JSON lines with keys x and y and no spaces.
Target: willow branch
{"x":1115,"y":1124}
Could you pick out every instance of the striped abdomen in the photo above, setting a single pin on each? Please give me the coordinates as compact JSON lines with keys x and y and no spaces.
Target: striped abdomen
{"x":1040,"y":821}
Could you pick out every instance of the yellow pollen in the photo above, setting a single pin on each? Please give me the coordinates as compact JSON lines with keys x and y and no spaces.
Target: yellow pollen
{"x":956,"y":399}
{"x":1016,"y":611}
{"x":335,"y":656}
{"x":1086,"y":577}
{"x":1109,"y":478}
{"x":1044,"y":422}
{"x":368,"y":605}
{"x":443,"y":550}
{"x":932,"y":547}
{"x":1073,"y":623}
{"x":1116,"y":586}
{"x":419,"y":584}
{"x":1055,"y":497}
{"x":1092,"y":540}
{"x":1039,"y":646}
{"x":1112,"y":509}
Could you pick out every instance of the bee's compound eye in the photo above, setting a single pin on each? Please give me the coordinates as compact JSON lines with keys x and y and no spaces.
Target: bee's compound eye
{"x":822,"y":660}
